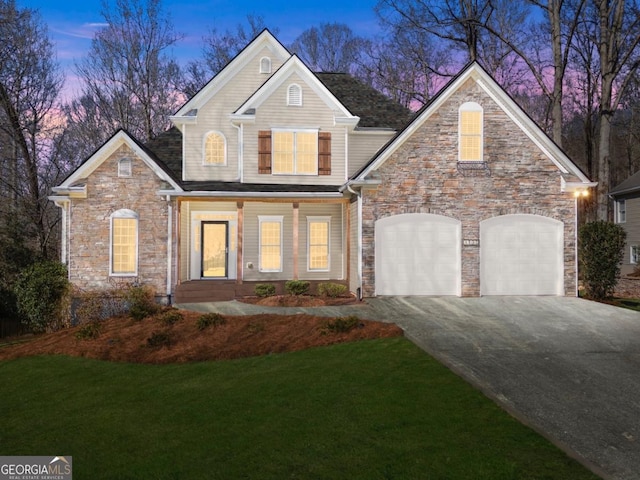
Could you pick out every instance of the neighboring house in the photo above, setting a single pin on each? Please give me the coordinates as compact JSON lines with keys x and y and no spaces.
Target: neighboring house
{"x":272,"y":173}
{"x":626,"y":201}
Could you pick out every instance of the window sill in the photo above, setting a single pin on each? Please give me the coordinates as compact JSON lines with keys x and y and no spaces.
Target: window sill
{"x":468,"y":168}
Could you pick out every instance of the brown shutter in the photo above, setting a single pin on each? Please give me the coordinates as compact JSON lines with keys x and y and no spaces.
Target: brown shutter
{"x":324,"y":153}
{"x":264,"y":151}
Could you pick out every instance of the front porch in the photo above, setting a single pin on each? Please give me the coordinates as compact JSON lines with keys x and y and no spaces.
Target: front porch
{"x":196,"y":291}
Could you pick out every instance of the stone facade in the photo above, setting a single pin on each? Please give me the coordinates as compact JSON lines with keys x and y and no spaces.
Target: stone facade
{"x":90,"y":218}
{"x":422,"y":176}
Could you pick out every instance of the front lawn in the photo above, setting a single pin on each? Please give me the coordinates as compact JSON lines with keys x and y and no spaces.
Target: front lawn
{"x":376,"y":409}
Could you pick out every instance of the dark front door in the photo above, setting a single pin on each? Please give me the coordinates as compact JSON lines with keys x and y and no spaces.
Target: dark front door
{"x":215,"y":249}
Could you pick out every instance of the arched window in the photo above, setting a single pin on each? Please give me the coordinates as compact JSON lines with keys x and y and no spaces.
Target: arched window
{"x":294,"y":95}
{"x":124,"y":167}
{"x":470,"y":133}
{"x":215,"y":149}
{"x":265,"y":65}
{"x":124,"y":243}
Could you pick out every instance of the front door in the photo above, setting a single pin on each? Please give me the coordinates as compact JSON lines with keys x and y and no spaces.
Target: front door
{"x":215,"y":249}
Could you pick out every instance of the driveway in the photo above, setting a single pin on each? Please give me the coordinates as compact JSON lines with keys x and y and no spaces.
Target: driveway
{"x":567,"y":367}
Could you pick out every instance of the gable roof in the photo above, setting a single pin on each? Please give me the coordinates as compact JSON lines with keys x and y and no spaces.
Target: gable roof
{"x":374,"y":109}
{"x":630,"y":185}
{"x":576,"y":178}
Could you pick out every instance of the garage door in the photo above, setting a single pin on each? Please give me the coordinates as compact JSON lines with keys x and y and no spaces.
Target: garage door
{"x":521,"y":255}
{"x":417,"y":254}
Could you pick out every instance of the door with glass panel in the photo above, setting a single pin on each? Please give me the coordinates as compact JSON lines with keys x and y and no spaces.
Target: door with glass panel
{"x":214,"y":249}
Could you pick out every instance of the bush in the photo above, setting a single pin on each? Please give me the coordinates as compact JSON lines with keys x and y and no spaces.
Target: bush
{"x":170,"y":316}
{"x":89,"y":331}
{"x":332,"y":290}
{"x":343,"y":324}
{"x":297,"y":287}
{"x":93,"y":306}
{"x":601,"y":249}
{"x":141,"y":302}
{"x":41,"y":294}
{"x":159,"y":339}
{"x":210,"y":319}
{"x":265,"y":290}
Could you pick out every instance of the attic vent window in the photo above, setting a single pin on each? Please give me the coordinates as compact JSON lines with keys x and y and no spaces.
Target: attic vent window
{"x":265,"y":65}
{"x":294,"y":95}
{"x":124,"y":167}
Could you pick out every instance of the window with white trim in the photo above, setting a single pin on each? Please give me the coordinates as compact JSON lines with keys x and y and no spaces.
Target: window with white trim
{"x":294,"y":95}
{"x":295,"y":152}
{"x":634,"y":254}
{"x":621,"y":211}
{"x":265,"y":65}
{"x":124,"y":243}
{"x":318,"y":248}
{"x":470,"y":133}
{"x":270,"y":243}
{"x":215,"y":149}
{"x":124,"y":167}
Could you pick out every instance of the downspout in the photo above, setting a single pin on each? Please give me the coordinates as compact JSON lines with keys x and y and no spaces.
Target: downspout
{"x":169,"y":247}
{"x":358,"y":195}
{"x":575,"y":221}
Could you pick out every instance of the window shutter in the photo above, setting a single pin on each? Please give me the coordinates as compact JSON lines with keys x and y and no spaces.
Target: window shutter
{"x":324,"y":153}
{"x":264,"y":151}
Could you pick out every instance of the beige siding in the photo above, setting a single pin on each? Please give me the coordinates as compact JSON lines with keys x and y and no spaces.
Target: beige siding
{"x":362,"y":147}
{"x":632,"y":227}
{"x":334,"y":211}
{"x":314,"y":114}
{"x":353,"y":239}
{"x":214,"y":116}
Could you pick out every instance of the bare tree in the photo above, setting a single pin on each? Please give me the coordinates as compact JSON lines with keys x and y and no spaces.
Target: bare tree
{"x":30,"y":82}
{"x":127,"y":73}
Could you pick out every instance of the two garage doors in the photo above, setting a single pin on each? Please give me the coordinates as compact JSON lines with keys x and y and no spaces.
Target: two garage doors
{"x":421,"y":254}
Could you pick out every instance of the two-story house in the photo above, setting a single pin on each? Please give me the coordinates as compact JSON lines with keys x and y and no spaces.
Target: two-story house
{"x":272,"y":173}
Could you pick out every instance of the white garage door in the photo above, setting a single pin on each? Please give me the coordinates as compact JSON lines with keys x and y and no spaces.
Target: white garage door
{"x":521,"y":255}
{"x":417,"y":254}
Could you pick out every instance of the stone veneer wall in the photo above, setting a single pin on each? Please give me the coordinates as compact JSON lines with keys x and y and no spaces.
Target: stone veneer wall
{"x":422,"y":177}
{"x":90,"y":226}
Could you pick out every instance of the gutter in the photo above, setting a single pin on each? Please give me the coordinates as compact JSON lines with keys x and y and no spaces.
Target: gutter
{"x":218,"y":194}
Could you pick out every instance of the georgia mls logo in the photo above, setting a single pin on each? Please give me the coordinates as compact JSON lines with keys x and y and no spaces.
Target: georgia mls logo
{"x":36,"y":468}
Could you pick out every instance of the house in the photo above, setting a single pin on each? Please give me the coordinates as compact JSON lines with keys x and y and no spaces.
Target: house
{"x":626,"y":199}
{"x":272,"y":173}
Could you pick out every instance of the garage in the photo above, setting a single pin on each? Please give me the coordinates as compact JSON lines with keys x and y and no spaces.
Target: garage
{"x":521,"y":255}
{"x":417,"y":254}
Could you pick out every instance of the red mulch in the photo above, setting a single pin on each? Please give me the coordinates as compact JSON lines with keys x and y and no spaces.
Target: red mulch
{"x":123,"y":339}
{"x":298,"y":301}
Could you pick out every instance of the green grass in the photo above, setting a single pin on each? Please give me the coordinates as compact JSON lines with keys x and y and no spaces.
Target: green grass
{"x":630,"y":303}
{"x":378,"y":409}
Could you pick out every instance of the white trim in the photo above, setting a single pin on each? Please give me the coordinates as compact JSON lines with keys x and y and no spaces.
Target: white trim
{"x":205,"y":138}
{"x":125,"y":167}
{"x":237,"y":194}
{"x":319,"y":219}
{"x":271,"y":219}
{"x":265,"y":65}
{"x":631,"y":247}
{"x":124,"y":214}
{"x":295,"y":132}
{"x":294,"y":95}
{"x":620,"y":218}
{"x":470,"y":107}
{"x":169,"y":245}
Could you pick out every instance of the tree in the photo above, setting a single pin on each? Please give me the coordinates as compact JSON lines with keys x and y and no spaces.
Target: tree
{"x":128,"y":79}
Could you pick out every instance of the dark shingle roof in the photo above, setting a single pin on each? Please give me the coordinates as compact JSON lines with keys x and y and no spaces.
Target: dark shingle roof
{"x":373,"y":108}
{"x":167,"y":148}
{"x":630,"y":185}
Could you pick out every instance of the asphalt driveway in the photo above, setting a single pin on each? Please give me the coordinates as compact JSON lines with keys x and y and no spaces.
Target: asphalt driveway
{"x":567,"y":367}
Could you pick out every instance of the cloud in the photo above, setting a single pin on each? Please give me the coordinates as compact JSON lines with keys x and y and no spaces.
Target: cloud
{"x":86,"y":30}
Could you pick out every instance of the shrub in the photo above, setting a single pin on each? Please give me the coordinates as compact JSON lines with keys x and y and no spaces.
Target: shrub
{"x":265,"y":290}
{"x":94,"y":306}
{"x":297,"y":287}
{"x":601,"y":249}
{"x":141,"y":302}
{"x":342,"y":324}
{"x":41,"y":294}
{"x":159,"y":339}
{"x":332,"y":290}
{"x":89,"y":331}
{"x":210,"y":319}
{"x":170,"y":316}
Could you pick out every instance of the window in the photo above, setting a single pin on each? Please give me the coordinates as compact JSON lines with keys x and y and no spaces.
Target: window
{"x":470,"y":133}
{"x":124,"y":243}
{"x":621,"y":211}
{"x":295,"y":152}
{"x":270,"y":243}
{"x":294,"y":95}
{"x":318,"y":231}
{"x":634,"y":256}
{"x":265,"y":65}
{"x":124,"y":167}
{"x":215,"y":149}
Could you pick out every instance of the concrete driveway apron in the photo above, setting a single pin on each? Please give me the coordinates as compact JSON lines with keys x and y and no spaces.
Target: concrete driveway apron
{"x":567,"y":367}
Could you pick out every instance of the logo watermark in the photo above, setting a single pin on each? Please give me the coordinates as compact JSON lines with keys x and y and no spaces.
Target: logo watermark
{"x":36,"y":468}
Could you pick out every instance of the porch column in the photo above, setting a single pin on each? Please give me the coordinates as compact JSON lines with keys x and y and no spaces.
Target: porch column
{"x":240,"y":230}
{"x":296,"y":213}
